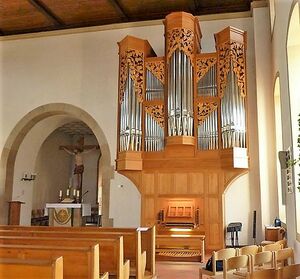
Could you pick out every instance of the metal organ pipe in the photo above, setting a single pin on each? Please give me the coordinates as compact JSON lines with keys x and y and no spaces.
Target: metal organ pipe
{"x":180,"y":95}
{"x":130,"y":119}
{"x":208,"y":129}
{"x":154,"y":133}
{"x":233,"y":114}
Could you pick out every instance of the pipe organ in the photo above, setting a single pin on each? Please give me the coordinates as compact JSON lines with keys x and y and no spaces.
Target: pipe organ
{"x":183,"y":117}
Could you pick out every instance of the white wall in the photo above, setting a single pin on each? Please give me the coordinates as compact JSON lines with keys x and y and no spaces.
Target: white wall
{"x":52,"y":167}
{"x":124,"y":213}
{"x":240,"y":188}
{"x":266,"y":116}
{"x":82,"y":70}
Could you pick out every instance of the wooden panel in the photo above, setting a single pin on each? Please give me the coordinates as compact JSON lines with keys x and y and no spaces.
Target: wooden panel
{"x":201,"y":206}
{"x":214,"y":234}
{"x":148,"y":183}
{"x":196,"y":183}
{"x":72,"y":12}
{"x":213,"y":210}
{"x":165,"y":183}
{"x":20,"y":14}
{"x":212,"y":187}
{"x":149,"y":210}
{"x":180,"y":182}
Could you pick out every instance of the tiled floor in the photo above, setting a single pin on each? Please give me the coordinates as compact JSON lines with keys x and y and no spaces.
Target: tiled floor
{"x":177,"y":270}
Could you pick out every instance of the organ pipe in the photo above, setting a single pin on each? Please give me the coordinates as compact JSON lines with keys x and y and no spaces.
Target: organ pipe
{"x":180,"y":95}
{"x":186,"y":93}
{"x":154,"y":88}
{"x":233,"y":114}
{"x":130,"y":120}
{"x":154,"y":131}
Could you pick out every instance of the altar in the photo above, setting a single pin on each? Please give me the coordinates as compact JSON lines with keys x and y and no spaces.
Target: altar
{"x":67,"y":214}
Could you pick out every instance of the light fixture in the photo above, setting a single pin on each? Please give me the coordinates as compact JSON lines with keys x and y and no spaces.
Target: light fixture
{"x":28,"y":177}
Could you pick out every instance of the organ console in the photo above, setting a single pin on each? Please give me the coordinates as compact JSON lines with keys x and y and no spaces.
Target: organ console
{"x":182,"y":122}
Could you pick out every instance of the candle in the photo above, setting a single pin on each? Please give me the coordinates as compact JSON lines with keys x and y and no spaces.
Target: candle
{"x":74,"y":192}
{"x":77,"y":193}
{"x":60,"y":193}
{"x":68,"y":192}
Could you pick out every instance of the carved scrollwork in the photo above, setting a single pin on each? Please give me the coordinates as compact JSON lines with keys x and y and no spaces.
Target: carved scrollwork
{"x":180,"y":38}
{"x":157,"y":68}
{"x":123,"y":76}
{"x":134,"y":61}
{"x":203,"y":65}
{"x":157,"y":112}
{"x":232,"y":52}
{"x":204,"y":109}
{"x":238,"y":59}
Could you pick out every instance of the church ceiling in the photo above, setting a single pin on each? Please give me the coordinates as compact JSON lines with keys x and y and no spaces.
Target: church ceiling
{"x":76,"y":128}
{"x":30,"y":16}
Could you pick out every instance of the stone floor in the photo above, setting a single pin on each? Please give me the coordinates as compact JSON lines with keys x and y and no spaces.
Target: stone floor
{"x":177,"y":270}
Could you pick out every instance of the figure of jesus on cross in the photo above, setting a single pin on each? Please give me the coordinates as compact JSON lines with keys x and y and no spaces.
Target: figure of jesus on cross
{"x":77,"y":150}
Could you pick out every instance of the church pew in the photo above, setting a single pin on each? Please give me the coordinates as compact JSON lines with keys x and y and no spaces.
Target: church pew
{"x":135,"y":241}
{"x":28,"y":269}
{"x":110,"y":258}
{"x":79,"y":262}
{"x":148,"y":238}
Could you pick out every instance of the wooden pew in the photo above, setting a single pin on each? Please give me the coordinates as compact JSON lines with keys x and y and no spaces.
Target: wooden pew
{"x":135,"y":241}
{"x":110,"y":258}
{"x":79,"y":262}
{"x":31,"y":269}
{"x":147,"y":242}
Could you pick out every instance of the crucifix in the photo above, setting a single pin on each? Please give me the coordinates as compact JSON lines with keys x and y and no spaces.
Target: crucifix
{"x":77,"y":150}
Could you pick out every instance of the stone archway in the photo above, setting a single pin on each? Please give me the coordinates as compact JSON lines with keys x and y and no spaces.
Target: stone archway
{"x":19,"y":132}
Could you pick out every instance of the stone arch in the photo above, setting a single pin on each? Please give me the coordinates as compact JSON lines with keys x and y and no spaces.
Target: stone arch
{"x":21,"y":129}
{"x":293,"y":66}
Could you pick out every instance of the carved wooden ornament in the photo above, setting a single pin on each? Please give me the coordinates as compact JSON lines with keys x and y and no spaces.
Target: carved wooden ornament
{"x":133,"y":62}
{"x":157,"y":112}
{"x":203,"y":65}
{"x":157,"y":68}
{"x":183,"y":39}
{"x":204,"y":110}
{"x":234,"y":52}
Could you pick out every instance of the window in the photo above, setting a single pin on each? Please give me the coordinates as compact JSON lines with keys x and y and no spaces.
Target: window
{"x":278,"y":131}
{"x":272,"y":13}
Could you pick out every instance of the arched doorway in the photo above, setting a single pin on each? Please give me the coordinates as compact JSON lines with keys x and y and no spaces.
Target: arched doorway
{"x":44,"y":120}
{"x":245,"y":199}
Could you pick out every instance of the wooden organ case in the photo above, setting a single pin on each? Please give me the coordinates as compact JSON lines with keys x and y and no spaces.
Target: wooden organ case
{"x":182,"y":125}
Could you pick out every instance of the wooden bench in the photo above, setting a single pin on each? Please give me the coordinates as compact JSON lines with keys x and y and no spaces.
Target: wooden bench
{"x":135,"y":241}
{"x":110,"y":258}
{"x":79,"y":262}
{"x":31,"y":269}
